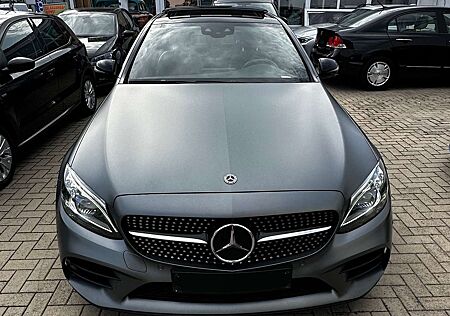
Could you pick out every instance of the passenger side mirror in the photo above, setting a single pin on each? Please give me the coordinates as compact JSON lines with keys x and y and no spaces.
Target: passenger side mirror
{"x":19,"y":64}
{"x":328,"y":68}
{"x":106,"y":66}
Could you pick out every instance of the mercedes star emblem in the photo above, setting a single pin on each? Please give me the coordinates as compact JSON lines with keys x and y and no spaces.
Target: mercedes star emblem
{"x":230,"y":179}
{"x":232,"y":243}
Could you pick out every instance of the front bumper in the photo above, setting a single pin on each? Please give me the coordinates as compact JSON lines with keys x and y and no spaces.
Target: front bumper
{"x":132,"y":272}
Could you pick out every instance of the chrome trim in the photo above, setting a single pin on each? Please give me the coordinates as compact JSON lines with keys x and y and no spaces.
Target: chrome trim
{"x":166,"y":237}
{"x":294,"y":234}
{"x":427,"y":67}
{"x":45,"y":127}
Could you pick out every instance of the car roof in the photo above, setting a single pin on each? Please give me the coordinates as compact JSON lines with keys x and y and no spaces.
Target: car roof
{"x":96,"y":9}
{"x":396,"y":7}
{"x":8,"y":15}
{"x":230,"y":14}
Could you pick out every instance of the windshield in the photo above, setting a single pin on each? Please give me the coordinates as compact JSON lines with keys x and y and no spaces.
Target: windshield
{"x":358,"y":17}
{"x":225,"y":52}
{"x":91,"y":24}
{"x":258,"y":5}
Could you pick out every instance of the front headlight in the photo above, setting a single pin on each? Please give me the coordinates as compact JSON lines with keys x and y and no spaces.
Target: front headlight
{"x":304,"y":40}
{"x":368,"y":200}
{"x":108,"y":55}
{"x":84,"y":206}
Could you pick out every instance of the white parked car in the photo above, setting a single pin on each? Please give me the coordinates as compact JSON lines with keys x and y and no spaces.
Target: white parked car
{"x":17,"y":7}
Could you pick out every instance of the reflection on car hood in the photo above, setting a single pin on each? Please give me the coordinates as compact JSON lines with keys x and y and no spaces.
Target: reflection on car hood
{"x":308,"y":31}
{"x":180,"y":138}
{"x":97,"y":45}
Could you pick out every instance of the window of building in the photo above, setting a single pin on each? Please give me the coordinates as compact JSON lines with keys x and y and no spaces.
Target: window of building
{"x":293,"y":11}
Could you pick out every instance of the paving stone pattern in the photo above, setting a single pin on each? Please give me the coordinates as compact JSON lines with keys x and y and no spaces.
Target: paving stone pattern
{"x":411,"y":128}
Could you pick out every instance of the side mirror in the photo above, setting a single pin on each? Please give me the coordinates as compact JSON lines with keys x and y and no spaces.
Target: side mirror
{"x":128,"y":33}
{"x":19,"y":64}
{"x":328,"y":68}
{"x":106,"y":66}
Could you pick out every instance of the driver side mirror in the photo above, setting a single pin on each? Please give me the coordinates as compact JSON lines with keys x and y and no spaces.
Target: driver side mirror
{"x":128,"y":33}
{"x":328,"y":68}
{"x":106,"y":66}
{"x":19,"y":64}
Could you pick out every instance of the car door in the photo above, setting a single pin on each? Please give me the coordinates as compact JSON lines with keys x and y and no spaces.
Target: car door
{"x":30,"y":93}
{"x":126,"y":24}
{"x":65,"y":53}
{"x":446,"y":21}
{"x":417,"y":40}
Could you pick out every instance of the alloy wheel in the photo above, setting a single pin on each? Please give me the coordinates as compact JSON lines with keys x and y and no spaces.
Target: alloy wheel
{"x":378,"y":74}
{"x":5,"y":158}
{"x":89,"y":94}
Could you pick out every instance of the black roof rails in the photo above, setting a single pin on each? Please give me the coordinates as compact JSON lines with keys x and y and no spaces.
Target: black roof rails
{"x":199,"y":11}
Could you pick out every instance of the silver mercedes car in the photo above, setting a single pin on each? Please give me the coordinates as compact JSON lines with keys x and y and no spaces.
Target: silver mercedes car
{"x":220,"y":177}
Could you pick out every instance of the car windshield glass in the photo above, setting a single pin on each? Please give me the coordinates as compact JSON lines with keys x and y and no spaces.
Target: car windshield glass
{"x":92,"y":24}
{"x":258,"y":5}
{"x":358,"y":17}
{"x":224,"y":52}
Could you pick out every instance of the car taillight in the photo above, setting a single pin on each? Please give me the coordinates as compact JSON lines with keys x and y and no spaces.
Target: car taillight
{"x":335,"y":42}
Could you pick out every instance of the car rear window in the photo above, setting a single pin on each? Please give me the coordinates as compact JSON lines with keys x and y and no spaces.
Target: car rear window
{"x":89,"y":24}
{"x":359,"y":17}
{"x":216,"y":51}
{"x":258,"y":5}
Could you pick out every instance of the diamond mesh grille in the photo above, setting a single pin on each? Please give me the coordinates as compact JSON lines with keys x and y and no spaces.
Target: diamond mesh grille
{"x":201,"y":256}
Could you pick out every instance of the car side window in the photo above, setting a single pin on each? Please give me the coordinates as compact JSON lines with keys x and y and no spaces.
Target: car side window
{"x":392,"y":26}
{"x":123,"y":23}
{"x":51,"y":33}
{"x":20,"y":41}
{"x":447,"y":21}
{"x":417,"y":22}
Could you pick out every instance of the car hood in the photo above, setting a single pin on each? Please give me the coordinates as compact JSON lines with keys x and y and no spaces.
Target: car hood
{"x":183,"y":138}
{"x":97,"y":45}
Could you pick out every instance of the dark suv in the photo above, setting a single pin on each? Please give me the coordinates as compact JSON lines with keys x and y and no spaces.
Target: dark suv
{"x":45,"y":74}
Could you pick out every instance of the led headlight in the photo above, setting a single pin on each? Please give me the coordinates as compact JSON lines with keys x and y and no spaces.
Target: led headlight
{"x":108,"y":55}
{"x":368,"y":200}
{"x":84,"y":206}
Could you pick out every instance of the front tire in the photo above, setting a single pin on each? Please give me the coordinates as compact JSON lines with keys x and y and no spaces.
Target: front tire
{"x":88,"y":102}
{"x":377,"y":74}
{"x":7,"y":158}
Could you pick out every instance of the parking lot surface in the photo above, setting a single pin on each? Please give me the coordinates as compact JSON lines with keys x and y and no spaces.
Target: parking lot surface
{"x":411,"y":128}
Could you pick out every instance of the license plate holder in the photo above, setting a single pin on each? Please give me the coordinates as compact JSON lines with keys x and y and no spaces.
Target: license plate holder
{"x":240,"y":282}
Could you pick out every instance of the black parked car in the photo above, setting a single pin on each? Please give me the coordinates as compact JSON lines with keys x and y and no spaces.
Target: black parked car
{"x":385,"y":40}
{"x":108,"y":33}
{"x":45,"y":74}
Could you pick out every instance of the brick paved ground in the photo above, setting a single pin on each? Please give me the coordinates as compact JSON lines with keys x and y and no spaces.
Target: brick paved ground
{"x":411,"y":127}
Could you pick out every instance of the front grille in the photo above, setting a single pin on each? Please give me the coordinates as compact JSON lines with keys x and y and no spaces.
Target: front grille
{"x":200,"y":255}
{"x":164,"y":292}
